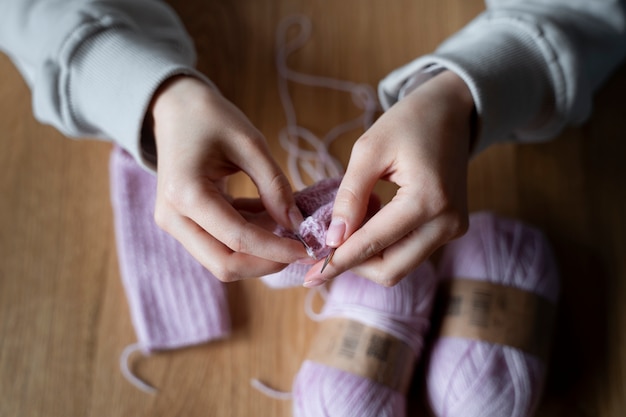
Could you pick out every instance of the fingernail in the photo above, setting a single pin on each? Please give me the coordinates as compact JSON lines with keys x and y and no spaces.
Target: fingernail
{"x":295,"y":217}
{"x":335,"y":232}
{"x":315,"y":282}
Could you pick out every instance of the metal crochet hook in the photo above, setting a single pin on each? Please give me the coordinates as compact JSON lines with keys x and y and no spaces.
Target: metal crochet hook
{"x":329,"y":257}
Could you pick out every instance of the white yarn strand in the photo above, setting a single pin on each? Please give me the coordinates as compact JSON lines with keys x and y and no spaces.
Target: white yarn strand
{"x":270,"y":392}
{"x":315,"y":160}
{"x":318,"y":163}
{"x":128,"y":374}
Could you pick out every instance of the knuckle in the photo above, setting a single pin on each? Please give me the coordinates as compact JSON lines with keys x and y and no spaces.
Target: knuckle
{"x":171,"y":193}
{"x":393,"y":277}
{"x":390,"y":281}
{"x":345,"y":200}
{"x":235,"y":242}
{"x":381,"y":275}
{"x":181,"y":197}
{"x":225,"y":274}
{"x":453,"y":223}
{"x":372,"y":248}
{"x":239,"y":239}
{"x":278,"y":184}
{"x":458,"y":223}
{"x":439,"y":202}
{"x":189,"y":197}
{"x":161,"y":218}
{"x":252,"y":135}
{"x":366,"y":146}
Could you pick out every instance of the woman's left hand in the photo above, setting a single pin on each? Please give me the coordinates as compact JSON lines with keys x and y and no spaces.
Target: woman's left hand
{"x":422,"y":145}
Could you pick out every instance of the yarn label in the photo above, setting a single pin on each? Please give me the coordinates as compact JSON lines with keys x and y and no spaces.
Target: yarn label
{"x":365,"y":351}
{"x":497,"y":314}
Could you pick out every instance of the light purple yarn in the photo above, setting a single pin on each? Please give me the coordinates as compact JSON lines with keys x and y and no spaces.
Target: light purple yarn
{"x":479,"y":379}
{"x":174,"y":301}
{"x":316,"y":204}
{"x":322,"y":391}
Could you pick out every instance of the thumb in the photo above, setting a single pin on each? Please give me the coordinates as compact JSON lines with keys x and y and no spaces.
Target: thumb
{"x":353,"y":200}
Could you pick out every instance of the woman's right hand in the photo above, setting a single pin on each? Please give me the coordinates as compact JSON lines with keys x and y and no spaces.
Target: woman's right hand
{"x":201,"y":139}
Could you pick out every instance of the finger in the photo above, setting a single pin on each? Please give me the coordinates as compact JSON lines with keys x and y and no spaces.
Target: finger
{"x":353,"y":195}
{"x":378,"y":233}
{"x":391,"y":223}
{"x":390,"y":266}
{"x":261,"y":219}
{"x":225,"y":264}
{"x":372,"y":238}
{"x":386,"y":268}
{"x":220,"y":219}
{"x":272,"y":184}
{"x":252,"y":205}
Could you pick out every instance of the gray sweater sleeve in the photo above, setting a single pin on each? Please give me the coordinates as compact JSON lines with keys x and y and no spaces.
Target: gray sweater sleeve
{"x":532,"y":66}
{"x":93,"y":66}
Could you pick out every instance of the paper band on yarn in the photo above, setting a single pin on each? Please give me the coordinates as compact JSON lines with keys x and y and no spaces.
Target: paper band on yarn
{"x":365,"y":351}
{"x":497,"y":314}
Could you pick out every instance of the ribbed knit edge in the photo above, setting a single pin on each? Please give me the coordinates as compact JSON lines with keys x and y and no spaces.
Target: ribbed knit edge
{"x":174,"y":302}
{"x":503,"y":61}
{"x":114,"y":76}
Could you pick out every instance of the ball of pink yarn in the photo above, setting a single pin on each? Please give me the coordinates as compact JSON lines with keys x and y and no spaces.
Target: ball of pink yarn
{"x":320,"y":390}
{"x":471,"y":378}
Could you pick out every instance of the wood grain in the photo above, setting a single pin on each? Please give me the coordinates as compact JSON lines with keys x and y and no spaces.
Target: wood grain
{"x":63,"y":314}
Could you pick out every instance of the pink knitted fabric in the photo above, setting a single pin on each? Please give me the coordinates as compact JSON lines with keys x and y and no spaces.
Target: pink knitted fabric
{"x":174,"y":301}
{"x":316,"y":204}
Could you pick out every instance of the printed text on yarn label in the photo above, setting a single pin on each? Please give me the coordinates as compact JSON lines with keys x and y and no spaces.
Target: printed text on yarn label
{"x":365,"y":351}
{"x":498,"y":314}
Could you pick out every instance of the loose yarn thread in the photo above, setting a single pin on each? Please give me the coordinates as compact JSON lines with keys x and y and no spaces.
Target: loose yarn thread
{"x":128,"y":373}
{"x":318,"y":163}
{"x":472,"y":378}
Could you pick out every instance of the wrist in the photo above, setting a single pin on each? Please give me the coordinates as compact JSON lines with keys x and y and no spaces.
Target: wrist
{"x":452,"y":99}
{"x":454,"y":85}
{"x":174,"y":97}
{"x":148,"y":129}
{"x":177,"y":94}
{"x":467,"y":107}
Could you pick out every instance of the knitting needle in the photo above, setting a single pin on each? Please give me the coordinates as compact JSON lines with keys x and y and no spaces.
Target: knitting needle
{"x":309,"y":250}
{"x":329,"y":257}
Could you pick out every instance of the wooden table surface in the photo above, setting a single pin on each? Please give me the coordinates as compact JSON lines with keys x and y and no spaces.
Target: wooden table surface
{"x":63,"y":315}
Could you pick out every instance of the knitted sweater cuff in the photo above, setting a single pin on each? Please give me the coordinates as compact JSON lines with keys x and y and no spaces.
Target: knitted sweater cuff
{"x":508,"y":67}
{"x":115,"y":74}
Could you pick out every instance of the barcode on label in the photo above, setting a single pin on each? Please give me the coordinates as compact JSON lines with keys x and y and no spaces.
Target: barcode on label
{"x":351,"y":339}
{"x":379,"y":347}
{"x":454,"y":305}
{"x":481,"y":307}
